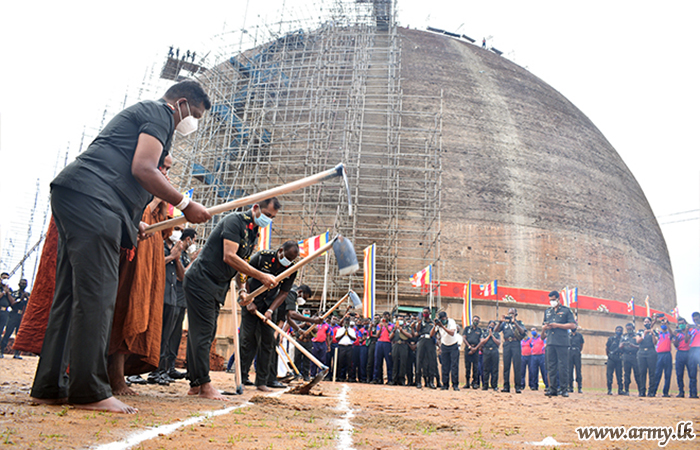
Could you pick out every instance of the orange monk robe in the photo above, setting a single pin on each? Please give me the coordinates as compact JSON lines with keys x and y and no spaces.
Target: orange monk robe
{"x":138,"y":312}
{"x":30,"y":336}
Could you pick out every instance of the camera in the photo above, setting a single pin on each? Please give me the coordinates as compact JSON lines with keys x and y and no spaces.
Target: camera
{"x":509,"y":318}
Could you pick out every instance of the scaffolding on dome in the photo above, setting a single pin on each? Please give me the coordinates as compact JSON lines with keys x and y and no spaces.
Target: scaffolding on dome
{"x":316,"y":94}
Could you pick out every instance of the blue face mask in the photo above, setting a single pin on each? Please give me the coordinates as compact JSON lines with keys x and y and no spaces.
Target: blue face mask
{"x":284,"y":261}
{"x":534,"y":333}
{"x":263,"y":220}
{"x":664,"y":327}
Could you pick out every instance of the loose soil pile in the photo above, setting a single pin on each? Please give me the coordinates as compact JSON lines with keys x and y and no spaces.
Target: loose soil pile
{"x":384,"y":417}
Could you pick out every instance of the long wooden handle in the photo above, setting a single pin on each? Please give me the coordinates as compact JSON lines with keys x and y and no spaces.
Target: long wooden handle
{"x":325,"y":316}
{"x":337,"y":171}
{"x":291,"y":339}
{"x":289,"y":271}
{"x":289,"y":358}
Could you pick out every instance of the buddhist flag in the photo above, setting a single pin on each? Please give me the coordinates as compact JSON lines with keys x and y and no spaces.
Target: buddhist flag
{"x":489,"y":289}
{"x":423,"y":278}
{"x":368,"y":298}
{"x":467,"y":308}
{"x":173,"y":211}
{"x":264,"y":237}
{"x":573,"y":296}
{"x":675,"y":313}
{"x":310,"y":245}
{"x":564,"y":296}
{"x":646,"y":302}
{"x":630,"y":305}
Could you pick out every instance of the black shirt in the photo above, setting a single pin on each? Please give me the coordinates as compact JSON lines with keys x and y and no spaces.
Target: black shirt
{"x":473,"y":335}
{"x":510,"y":331}
{"x":562,"y":315}
{"x":289,"y":304}
{"x":612,"y":347}
{"x":490,"y":344}
{"x":4,"y":299}
{"x":181,"y":300}
{"x":170,"y":295}
{"x":576,"y":341}
{"x":424,"y":328}
{"x":648,"y":340}
{"x":209,"y":271}
{"x":266,"y":262}
{"x":21,"y":300}
{"x":103,"y":171}
{"x":629,"y":343}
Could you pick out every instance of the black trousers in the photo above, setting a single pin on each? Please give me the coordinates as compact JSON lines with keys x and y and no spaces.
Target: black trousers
{"x":471,"y":367}
{"x":557,"y":366}
{"x":170,"y":336}
{"x":80,"y":321}
{"x":490,"y":366}
{"x":646,"y":361}
{"x":614,"y":366}
{"x":257,"y":339}
{"x":344,"y":361}
{"x":450,"y":364}
{"x":202,"y":313}
{"x":4,"y":320}
{"x":13,"y":322}
{"x":512,"y":355}
{"x":301,"y":361}
{"x":370,"y":360}
{"x":629,"y":364}
{"x":399,"y":355}
{"x":426,"y":360}
{"x":574,"y":363}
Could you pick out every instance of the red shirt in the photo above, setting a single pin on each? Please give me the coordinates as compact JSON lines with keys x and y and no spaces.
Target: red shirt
{"x":663,"y":345}
{"x":537,"y":345}
{"x":682,"y":345}
{"x":525,"y":347}
{"x":384,"y":333}
{"x":321,"y":333}
{"x":359,"y":332}
{"x":334,"y":328}
{"x":694,"y":338}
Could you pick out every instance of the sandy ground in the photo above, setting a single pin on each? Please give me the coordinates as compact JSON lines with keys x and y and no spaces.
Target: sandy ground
{"x":339,"y":415}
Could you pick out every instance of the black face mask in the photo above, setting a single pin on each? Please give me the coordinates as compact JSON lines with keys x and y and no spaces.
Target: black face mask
{"x":619,"y":333}
{"x":647,"y":326}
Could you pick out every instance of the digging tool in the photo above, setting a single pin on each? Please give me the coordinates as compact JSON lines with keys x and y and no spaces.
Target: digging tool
{"x":319,"y":376}
{"x":344,"y":255}
{"x":289,"y":359}
{"x":337,"y":171}
{"x":356,"y":303}
{"x":237,"y":348}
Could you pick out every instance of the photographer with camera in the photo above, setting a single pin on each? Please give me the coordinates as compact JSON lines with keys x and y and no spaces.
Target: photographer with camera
{"x":558,"y":320}
{"x":664,"y":361}
{"x":426,"y":355}
{"x":449,"y":349}
{"x":399,"y":350}
{"x":6,"y":301}
{"x":382,"y":351}
{"x":489,"y":344}
{"x":681,"y":340}
{"x":646,"y":356}
{"x":346,"y":336}
{"x":513,"y":331}
{"x":614,"y":363}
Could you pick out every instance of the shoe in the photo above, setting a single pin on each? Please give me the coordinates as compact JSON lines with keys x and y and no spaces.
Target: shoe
{"x":419,"y":386}
{"x":167,"y":378}
{"x":276,"y":384}
{"x":665,"y":395}
{"x":625,"y":393}
{"x":692,"y":396}
{"x":466,"y":386}
{"x":580,"y":391}
{"x":518,"y":391}
{"x":136,"y":379}
{"x":505,"y":390}
{"x":680,"y":395}
{"x":609,"y":391}
{"x":456,"y":388}
{"x":306,"y":378}
{"x":564,"y":393}
{"x":432,"y":386}
{"x":163,"y":381}
{"x":374,"y":382}
{"x":444,"y":388}
{"x":1,"y":355}
{"x":571,"y":389}
{"x":642,"y":394}
{"x":495,"y":389}
{"x":550,"y":393}
{"x":475,"y":386}
{"x":620,"y":392}
{"x":247,"y":382}
{"x":17,"y":357}
{"x":651,"y":395}
{"x":485,"y":388}
{"x":176,"y":374}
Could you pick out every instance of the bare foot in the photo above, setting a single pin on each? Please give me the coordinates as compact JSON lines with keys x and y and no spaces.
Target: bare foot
{"x":208,"y":391}
{"x":193,"y":391}
{"x":263,"y":388}
{"x":49,"y":401}
{"x":110,"y":404}
{"x":121,"y":388}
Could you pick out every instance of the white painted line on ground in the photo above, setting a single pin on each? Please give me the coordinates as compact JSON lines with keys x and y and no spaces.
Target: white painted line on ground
{"x":345,"y":436}
{"x":549,"y":441}
{"x":150,"y":433}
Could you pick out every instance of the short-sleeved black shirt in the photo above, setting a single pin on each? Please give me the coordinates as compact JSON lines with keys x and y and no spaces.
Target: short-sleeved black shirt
{"x":266,"y":262}
{"x":629,"y":344}
{"x":289,"y":304}
{"x":490,"y":344}
{"x":612,"y":347}
{"x":558,"y":336}
{"x":473,"y":335}
{"x":209,"y":272}
{"x":510,"y":331}
{"x":103,"y":171}
{"x":648,"y":340}
{"x":170,"y":295}
{"x":576,"y":341}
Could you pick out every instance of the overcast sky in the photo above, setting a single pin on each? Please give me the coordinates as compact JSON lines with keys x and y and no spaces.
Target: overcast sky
{"x":630,"y":66}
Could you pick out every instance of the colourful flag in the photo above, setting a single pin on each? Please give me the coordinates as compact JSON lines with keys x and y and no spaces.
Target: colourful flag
{"x":310,"y":245}
{"x":368,"y":298}
{"x":573,"y":296}
{"x":489,"y":289}
{"x":173,"y":211}
{"x":423,"y":278}
{"x":630,"y":305}
{"x":646,"y":302}
{"x":564,"y":296}
{"x":467,"y":308}
{"x":264,"y":237}
{"x":675,"y":313}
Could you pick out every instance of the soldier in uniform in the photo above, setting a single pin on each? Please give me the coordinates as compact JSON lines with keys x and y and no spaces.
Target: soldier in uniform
{"x":575,"y":348}
{"x":490,"y":341}
{"x":614,"y":363}
{"x":629,"y":348}
{"x":426,"y":356}
{"x":446,"y":328}
{"x":20,"y":298}
{"x":513,"y":331}
{"x":258,"y":338}
{"x":682,"y":344}
{"x":207,"y":281}
{"x":471,"y":337}
{"x":646,"y":356}
{"x":400,"y":336}
{"x":371,"y":345}
{"x":558,"y":319}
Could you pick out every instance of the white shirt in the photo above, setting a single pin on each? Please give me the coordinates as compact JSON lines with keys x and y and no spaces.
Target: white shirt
{"x":445,"y":338}
{"x":349,"y":337}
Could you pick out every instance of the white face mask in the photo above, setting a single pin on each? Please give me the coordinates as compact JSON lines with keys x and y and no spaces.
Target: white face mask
{"x":553,"y":303}
{"x":188,"y":125}
{"x":192,"y":248}
{"x":284,"y":261}
{"x":175,"y":235}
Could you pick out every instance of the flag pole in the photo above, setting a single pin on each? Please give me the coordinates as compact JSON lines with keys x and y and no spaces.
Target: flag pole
{"x":325,"y":285}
